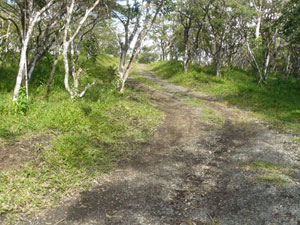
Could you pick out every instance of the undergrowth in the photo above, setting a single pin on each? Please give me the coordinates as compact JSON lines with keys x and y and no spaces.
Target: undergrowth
{"x":278,"y":101}
{"x":91,"y":134}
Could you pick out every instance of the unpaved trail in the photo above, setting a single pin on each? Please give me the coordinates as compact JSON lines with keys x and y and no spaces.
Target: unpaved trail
{"x":194,"y":171}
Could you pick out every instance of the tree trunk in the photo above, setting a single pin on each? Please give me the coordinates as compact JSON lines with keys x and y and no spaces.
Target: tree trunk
{"x":148,"y":23}
{"x":287,"y":68}
{"x":122,"y":62}
{"x":7,"y":42}
{"x":257,"y":31}
{"x":218,"y":64}
{"x":76,"y":81}
{"x":68,"y":40}
{"x":125,"y":75}
{"x":51,"y":77}
{"x":185,"y":60}
{"x":266,"y":70}
{"x":32,"y":66}
{"x":22,"y":66}
{"x":258,"y":24}
{"x":86,"y":89}
{"x":67,"y":69}
{"x":218,"y":69}
{"x":185,"y":46}
{"x":259,"y":76}
{"x":23,"y":57}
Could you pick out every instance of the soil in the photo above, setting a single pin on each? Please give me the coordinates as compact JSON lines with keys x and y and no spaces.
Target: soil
{"x":192,"y":171}
{"x":17,"y":152}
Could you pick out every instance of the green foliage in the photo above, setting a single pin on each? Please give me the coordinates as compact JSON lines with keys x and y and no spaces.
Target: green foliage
{"x":277,"y":102}
{"x":21,"y":105}
{"x":104,"y":68}
{"x":290,"y":20}
{"x":7,"y":78}
{"x":91,"y":46}
{"x":167,"y":69}
{"x":147,"y":55}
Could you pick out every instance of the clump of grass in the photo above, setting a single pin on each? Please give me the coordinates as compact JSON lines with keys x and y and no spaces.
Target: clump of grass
{"x":273,"y":179}
{"x":296,"y":139}
{"x":92,"y":134}
{"x":167,"y":69}
{"x":269,"y":172}
{"x":208,"y":113}
{"x":263,"y":166}
{"x":277,"y":102}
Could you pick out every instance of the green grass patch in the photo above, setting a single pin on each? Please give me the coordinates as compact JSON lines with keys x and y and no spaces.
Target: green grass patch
{"x":296,"y":139}
{"x":272,"y":179}
{"x":269,"y":172}
{"x":278,"y":102}
{"x":93,"y":133}
{"x":207,"y":113}
{"x":262,"y":166}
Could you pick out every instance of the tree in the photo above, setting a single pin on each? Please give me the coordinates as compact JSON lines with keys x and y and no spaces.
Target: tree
{"x":192,"y":17}
{"x":162,"y":35}
{"x":69,"y":44}
{"x":136,"y":19}
{"x":264,"y":45}
{"x":147,"y":55}
{"x":27,"y":13}
{"x":289,"y":25}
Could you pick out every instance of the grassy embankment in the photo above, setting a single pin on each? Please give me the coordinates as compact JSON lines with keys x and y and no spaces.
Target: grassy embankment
{"x":87,"y":136}
{"x":278,"y":102}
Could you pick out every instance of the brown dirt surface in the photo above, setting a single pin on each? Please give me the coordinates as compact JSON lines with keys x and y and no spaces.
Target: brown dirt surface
{"x":194,"y":171}
{"x":15,"y":153}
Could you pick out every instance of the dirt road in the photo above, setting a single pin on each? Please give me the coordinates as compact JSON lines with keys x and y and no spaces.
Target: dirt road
{"x":195,"y":170}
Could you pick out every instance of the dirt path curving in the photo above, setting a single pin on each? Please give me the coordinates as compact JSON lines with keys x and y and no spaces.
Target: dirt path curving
{"x":196,"y":171}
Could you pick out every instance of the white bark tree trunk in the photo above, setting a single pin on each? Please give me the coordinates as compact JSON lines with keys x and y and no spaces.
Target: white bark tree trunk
{"x":23,"y":57}
{"x":266,"y":69}
{"x":7,"y":42}
{"x":259,"y":77}
{"x":148,"y":23}
{"x":68,"y":40}
{"x":185,"y":60}
{"x":258,"y":25}
{"x":23,"y":60}
{"x":122,"y":62}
